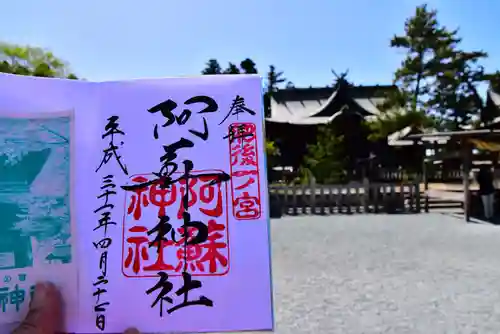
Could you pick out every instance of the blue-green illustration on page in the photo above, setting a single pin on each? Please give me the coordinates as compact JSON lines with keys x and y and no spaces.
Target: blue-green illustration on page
{"x":35,"y":224}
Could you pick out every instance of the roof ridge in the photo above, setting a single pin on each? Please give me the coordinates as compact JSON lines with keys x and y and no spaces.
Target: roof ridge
{"x":331,"y":87}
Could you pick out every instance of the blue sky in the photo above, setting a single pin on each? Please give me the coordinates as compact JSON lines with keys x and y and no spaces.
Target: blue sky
{"x":112,"y":39}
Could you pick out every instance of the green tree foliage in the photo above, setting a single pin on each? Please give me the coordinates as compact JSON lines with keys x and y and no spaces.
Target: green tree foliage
{"x":389,"y":123}
{"x":325,"y":159}
{"x":422,"y":42}
{"x":274,"y":79}
{"x":272,"y":153}
{"x":232,"y":69}
{"x":26,"y":60}
{"x":437,"y":77}
{"x":248,"y":66}
{"x":437,"y":80}
{"x":272,"y":149}
{"x":456,"y":96}
{"x":212,"y":67}
{"x":495,"y":81}
{"x":408,"y":106}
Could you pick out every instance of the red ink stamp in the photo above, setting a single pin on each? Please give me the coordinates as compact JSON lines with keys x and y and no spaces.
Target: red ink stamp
{"x":142,"y":256}
{"x":245,"y":176}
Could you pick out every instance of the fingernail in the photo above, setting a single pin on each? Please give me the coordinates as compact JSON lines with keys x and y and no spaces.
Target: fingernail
{"x":40,"y":295}
{"x":132,"y":331}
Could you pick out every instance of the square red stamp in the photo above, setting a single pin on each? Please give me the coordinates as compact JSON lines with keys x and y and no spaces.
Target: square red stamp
{"x":142,"y":256}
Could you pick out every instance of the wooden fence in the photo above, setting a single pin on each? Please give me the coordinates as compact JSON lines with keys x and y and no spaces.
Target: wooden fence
{"x":345,"y":199}
{"x":385,"y":175}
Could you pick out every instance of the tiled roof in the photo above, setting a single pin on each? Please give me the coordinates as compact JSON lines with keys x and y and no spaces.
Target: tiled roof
{"x":306,"y":105}
{"x":302,"y":94}
{"x":301,"y":105}
{"x":370,"y":104}
{"x":400,"y":138}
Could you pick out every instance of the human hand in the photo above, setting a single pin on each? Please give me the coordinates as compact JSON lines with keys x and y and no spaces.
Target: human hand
{"x":132,"y":331}
{"x":46,"y":314}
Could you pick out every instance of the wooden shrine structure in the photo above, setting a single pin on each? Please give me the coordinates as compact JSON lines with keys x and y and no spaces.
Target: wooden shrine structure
{"x":296,"y":114}
{"x":465,"y":142}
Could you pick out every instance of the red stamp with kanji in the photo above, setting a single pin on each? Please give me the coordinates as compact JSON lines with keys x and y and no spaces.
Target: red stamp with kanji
{"x":142,"y":256}
{"x":245,"y":176}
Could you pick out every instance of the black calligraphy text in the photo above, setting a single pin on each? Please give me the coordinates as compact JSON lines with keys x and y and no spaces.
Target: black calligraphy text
{"x":105,"y":220}
{"x":193,"y":232}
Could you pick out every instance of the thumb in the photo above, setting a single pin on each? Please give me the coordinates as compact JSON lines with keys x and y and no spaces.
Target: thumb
{"x":45,"y":315}
{"x":132,"y":331}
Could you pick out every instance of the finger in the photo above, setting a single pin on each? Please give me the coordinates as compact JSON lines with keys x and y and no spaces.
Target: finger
{"x":132,"y":331}
{"x":45,"y":313}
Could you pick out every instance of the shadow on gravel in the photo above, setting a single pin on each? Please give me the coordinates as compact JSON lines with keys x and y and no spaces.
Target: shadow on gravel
{"x":473,"y":219}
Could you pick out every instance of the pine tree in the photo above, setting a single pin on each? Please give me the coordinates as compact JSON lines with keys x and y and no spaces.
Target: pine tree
{"x":232,"y":69}
{"x":456,"y":97}
{"x":422,"y":39}
{"x":248,"y":66}
{"x":436,"y":77}
{"x":212,"y":67}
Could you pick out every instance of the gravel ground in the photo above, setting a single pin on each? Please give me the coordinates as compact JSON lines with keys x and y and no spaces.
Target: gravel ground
{"x":428,"y":273}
